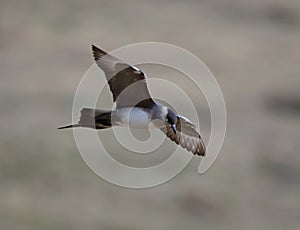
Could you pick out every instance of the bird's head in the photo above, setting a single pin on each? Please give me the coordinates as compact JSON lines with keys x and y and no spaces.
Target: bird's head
{"x":171,"y":119}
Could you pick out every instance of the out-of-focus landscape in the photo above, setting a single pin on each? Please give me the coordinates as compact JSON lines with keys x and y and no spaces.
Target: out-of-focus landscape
{"x":253,"y":49}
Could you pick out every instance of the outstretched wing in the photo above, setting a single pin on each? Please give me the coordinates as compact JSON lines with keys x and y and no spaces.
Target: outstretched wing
{"x":186,"y":136}
{"x":127,"y":83}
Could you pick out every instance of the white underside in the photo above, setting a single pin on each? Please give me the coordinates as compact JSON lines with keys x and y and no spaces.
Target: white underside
{"x":133,"y":117}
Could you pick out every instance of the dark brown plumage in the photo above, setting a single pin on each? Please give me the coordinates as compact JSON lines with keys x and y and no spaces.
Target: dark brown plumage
{"x":127,"y":83}
{"x":186,"y":136}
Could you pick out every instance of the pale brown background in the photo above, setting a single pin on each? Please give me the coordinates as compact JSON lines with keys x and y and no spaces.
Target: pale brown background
{"x":253,"y":48}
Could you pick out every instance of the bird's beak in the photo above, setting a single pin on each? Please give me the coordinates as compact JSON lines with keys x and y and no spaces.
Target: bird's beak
{"x":173,"y":128}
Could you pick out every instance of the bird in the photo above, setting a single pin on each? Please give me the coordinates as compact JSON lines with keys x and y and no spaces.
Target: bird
{"x":135,"y":107}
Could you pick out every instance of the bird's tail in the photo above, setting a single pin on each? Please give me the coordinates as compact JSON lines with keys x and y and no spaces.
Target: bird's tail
{"x":92,"y":118}
{"x":69,"y":126}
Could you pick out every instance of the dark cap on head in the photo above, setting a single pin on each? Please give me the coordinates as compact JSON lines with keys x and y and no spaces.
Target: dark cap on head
{"x":171,"y":118}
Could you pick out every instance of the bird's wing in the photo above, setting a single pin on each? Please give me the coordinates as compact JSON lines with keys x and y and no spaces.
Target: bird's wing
{"x":186,"y":136}
{"x":127,"y":83}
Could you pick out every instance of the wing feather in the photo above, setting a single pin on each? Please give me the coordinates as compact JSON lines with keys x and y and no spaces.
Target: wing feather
{"x":186,"y":136}
{"x":123,"y":79}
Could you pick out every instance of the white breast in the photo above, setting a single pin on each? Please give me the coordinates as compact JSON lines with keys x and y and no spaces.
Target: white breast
{"x":134,"y":117}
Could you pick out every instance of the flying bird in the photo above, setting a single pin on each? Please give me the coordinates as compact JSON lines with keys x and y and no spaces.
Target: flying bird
{"x":135,"y":107}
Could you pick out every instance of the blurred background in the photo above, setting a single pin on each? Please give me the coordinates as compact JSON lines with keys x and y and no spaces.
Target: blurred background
{"x":253,"y":49}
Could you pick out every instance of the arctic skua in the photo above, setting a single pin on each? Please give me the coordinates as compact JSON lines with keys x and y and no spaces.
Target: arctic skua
{"x":135,"y":107}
